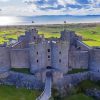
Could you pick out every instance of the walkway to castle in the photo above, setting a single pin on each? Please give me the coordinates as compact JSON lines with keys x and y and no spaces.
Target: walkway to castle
{"x":46,"y":94}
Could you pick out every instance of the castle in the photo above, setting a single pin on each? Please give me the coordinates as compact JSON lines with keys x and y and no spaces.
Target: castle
{"x":58,"y":55}
{"x":36,"y":52}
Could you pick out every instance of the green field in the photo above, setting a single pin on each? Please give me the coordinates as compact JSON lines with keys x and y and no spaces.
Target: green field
{"x":7,"y":33}
{"x":11,"y":93}
{"x":21,"y":70}
{"x":78,"y":97}
{"x":73,"y":71}
{"x":90,"y":33}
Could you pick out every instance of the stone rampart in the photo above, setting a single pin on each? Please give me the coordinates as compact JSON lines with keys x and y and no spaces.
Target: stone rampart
{"x":95,"y":60}
{"x":4,"y":57}
{"x":72,"y":79}
{"x":78,"y":59}
{"x":22,"y":80}
{"x":20,"y":58}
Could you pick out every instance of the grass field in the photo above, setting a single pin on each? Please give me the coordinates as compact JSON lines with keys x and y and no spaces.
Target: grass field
{"x":11,"y":93}
{"x":78,"y":97}
{"x":73,"y":71}
{"x":22,"y":70}
{"x":80,"y":89}
{"x":90,"y":35}
{"x":6,"y":34}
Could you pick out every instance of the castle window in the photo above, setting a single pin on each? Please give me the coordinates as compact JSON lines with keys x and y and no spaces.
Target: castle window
{"x":34,"y":37}
{"x":60,"y":52}
{"x":49,"y":56}
{"x":37,"y":61}
{"x":48,"y":50}
{"x":59,"y":60}
{"x":37,"y":53}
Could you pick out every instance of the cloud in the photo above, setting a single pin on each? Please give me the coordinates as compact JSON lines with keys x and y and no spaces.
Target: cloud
{"x":49,"y":7}
{"x":4,"y":0}
{"x":60,"y":4}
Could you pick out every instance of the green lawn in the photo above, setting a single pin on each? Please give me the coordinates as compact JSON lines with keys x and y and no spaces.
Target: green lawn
{"x":87,"y":84}
{"x":90,"y":35}
{"x":11,"y":93}
{"x":78,"y":97}
{"x":7,"y":33}
{"x":92,"y":43}
{"x":22,"y":70}
{"x":77,"y":71}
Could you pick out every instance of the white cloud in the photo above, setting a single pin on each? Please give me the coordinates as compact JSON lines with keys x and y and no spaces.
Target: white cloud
{"x":4,"y":0}
{"x":59,"y":7}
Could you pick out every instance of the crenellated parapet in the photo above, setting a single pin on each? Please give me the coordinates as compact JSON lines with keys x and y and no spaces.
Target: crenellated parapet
{"x":95,"y":59}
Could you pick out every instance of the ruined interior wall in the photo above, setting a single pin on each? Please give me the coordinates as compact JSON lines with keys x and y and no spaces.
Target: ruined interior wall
{"x":19,"y":58}
{"x":4,"y":57}
{"x":78,"y":59}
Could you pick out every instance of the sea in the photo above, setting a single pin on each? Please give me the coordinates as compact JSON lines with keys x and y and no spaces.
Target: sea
{"x":47,"y":19}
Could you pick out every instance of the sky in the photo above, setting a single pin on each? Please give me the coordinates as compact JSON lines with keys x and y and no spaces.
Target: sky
{"x":49,"y":7}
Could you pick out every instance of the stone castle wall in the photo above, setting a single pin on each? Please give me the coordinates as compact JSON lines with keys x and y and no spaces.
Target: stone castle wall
{"x":22,"y":80}
{"x":38,"y":56}
{"x":79,"y":59}
{"x":60,"y":55}
{"x":95,"y":76}
{"x":4,"y":57}
{"x":71,"y":80}
{"x":19,"y":58}
{"x":95,"y":59}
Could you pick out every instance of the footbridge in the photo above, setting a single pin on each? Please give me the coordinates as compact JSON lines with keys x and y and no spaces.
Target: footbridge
{"x":46,"y":94}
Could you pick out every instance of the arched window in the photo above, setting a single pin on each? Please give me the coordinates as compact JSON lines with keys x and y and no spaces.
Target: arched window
{"x":34,"y":37}
{"x":37,"y":60}
{"x":59,"y":52}
{"x":48,"y":56}
{"x":59,"y":60}
{"x":48,"y":50}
